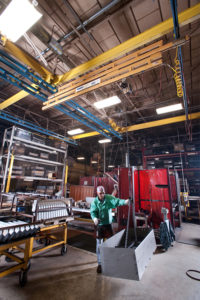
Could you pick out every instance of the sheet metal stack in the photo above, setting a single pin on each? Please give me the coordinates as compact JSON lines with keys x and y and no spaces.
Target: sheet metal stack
{"x":50,"y":209}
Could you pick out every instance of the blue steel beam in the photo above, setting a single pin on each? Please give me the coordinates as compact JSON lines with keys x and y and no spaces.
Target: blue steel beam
{"x":29,"y":125}
{"x":7,"y":76}
{"x":80,"y":114}
{"x":24,"y":71}
{"x":70,"y":113}
{"x":17,"y":70}
{"x":84,"y":112}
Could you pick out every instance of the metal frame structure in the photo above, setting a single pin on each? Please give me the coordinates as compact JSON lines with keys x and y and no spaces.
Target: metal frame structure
{"x":185,"y":17}
{"x":38,"y":84}
{"x":47,"y":233}
{"x":177,"y":35}
{"x":7,"y":174}
{"x":134,"y":63}
{"x":22,"y":263}
{"x":85,"y":117}
{"x":34,"y":127}
{"x":36,"y":89}
{"x":141,"y":126}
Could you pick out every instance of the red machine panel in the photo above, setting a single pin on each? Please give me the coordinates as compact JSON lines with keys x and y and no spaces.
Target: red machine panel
{"x":152,"y":191}
{"x":154,"y":194}
{"x":126,"y":189}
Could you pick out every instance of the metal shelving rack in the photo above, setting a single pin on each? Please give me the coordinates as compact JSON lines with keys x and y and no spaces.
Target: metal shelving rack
{"x":8,"y":159}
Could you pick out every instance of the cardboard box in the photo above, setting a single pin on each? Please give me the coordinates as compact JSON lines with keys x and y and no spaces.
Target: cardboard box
{"x":18,"y":150}
{"x":38,"y":139}
{"x":178,"y":147}
{"x":61,"y":145}
{"x":33,"y":154}
{"x":37,"y":173}
{"x":44,"y":155}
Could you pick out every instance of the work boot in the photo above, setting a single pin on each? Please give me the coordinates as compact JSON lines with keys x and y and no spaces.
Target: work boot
{"x":99,"y":269}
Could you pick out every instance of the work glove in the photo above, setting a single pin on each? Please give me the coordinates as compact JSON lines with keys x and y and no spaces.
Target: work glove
{"x":96,"y":221}
{"x":128,"y":200}
{"x":116,"y":187}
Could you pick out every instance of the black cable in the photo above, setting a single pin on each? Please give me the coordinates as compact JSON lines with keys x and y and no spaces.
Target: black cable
{"x":192,"y":277}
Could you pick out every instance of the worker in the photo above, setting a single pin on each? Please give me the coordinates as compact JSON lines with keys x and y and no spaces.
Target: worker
{"x":101,"y":214}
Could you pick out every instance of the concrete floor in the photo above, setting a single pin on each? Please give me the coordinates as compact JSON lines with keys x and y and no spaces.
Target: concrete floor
{"x":73,"y":276}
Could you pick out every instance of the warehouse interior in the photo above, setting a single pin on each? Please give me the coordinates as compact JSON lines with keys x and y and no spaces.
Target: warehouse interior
{"x":99,"y":96}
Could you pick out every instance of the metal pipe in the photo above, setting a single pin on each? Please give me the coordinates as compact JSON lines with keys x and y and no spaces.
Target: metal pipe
{"x":35,"y":49}
{"x":126,"y":160}
{"x":133,"y":203}
{"x":104,"y":157}
{"x":85,"y":23}
{"x":77,"y":18}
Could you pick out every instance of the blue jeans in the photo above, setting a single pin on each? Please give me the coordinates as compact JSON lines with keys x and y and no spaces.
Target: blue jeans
{"x":98,"y":243}
{"x":103,"y":232}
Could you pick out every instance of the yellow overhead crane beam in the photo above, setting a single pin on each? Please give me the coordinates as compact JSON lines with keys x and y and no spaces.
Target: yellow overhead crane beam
{"x":187,"y":16}
{"x":142,"y":126}
{"x":157,"y":31}
{"x":28,"y":60}
{"x":13,"y":99}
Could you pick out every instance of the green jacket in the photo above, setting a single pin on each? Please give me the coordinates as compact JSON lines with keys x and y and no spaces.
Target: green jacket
{"x":103,"y":209}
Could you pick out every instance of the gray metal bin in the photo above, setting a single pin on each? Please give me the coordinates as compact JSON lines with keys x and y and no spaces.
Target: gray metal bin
{"x":127,"y":263}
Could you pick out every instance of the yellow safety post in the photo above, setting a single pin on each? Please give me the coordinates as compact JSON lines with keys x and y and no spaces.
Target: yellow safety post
{"x":10,"y":173}
{"x":65,"y":182}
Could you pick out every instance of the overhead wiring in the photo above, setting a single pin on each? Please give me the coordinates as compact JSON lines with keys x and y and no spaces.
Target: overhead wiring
{"x":179,"y":73}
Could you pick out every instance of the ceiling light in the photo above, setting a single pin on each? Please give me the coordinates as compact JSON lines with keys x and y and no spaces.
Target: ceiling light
{"x":80,"y":158}
{"x":94,"y":162}
{"x":107,"y":102}
{"x":169,"y":108}
{"x":75,"y":131}
{"x":17,"y":18}
{"x":110,"y":166}
{"x":104,"y":141}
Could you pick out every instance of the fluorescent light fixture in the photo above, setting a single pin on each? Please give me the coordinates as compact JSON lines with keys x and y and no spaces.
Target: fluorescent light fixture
{"x":94,"y":162}
{"x":75,"y":131}
{"x":80,"y":158}
{"x":110,"y":166}
{"x":169,"y":108}
{"x":18,"y":17}
{"x":104,"y":141}
{"x":107,"y":102}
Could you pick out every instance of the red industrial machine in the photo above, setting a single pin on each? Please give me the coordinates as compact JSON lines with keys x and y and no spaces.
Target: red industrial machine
{"x":151,"y":190}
